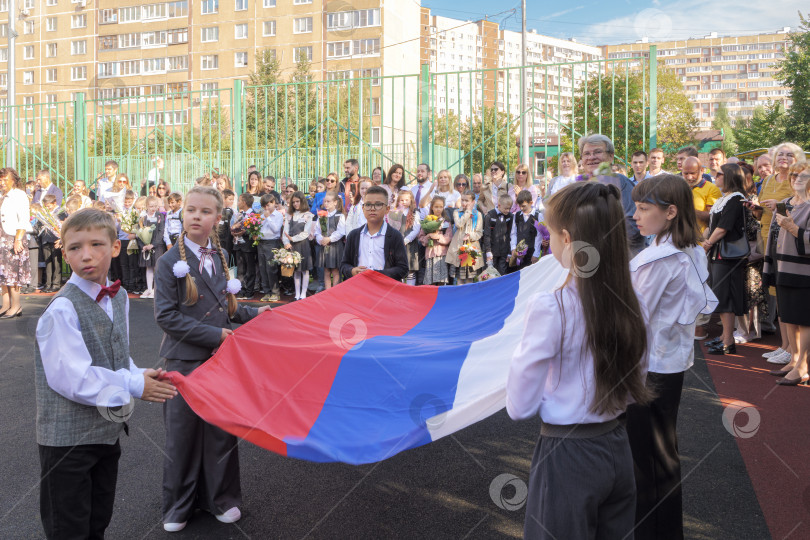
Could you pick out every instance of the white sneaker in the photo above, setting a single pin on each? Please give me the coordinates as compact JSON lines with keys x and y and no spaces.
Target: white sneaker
{"x":777,"y":352}
{"x":783,"y":358}
{"x":174,"y":527}
{"x":147,"y":294}
{"x":740,"y":338}
{"x":230,"y":516}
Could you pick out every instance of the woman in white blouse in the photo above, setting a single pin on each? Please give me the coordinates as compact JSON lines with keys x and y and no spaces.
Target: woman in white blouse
{"x":80,"y":190}
{"x":356,"y":218}
{"x":568,"y":173}
{"x":15,"y":269}
{"x":524,"y":181}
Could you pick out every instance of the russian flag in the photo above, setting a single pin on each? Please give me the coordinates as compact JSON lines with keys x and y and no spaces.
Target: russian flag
{"x":369,"y":368}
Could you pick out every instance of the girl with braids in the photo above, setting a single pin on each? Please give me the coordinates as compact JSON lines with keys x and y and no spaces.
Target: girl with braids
{"x":194,"y":306}
{"x":581,"y":371}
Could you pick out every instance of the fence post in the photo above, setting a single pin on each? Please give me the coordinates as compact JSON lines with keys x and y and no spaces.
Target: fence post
{"x":80,"y":138}
{"x":653,"y":97}
{"x":424,"y":113}
{"x":237,"y":139}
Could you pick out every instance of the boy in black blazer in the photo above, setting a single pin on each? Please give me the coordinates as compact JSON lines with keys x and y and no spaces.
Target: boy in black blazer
{"x":385,"y":255}
{"x":497,"y":232}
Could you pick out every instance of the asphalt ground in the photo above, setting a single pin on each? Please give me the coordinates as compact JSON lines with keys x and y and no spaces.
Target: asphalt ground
{"x":441,"y":490}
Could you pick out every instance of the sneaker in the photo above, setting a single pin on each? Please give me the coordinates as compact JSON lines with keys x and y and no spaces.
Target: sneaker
{"x":148,"y":294}
{"x":783,"y":358}
{"x":230,"y":516}
{"x":777,"y":352}
{"x":265,"y":298}
{"x":174,"y":527}
{"x":274,"y":298}
{"x":741,"y":338}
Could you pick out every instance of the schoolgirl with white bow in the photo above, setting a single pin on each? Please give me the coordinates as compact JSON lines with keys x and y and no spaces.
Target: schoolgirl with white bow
{"x":195,"y":306}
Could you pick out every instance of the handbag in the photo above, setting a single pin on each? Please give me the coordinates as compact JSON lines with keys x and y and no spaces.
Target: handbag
{"x":735,"y":249}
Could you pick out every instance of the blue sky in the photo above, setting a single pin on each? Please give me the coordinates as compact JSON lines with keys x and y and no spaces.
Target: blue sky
{"x":623,"y":21}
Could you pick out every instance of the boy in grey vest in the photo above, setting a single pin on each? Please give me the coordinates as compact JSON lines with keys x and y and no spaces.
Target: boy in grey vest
{"x":85,"y":381}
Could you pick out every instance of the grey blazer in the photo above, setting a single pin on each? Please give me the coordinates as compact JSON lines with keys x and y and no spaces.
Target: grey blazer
{"x":192,"y":332}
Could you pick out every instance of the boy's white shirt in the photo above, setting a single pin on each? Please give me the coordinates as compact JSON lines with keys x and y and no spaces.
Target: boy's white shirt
{"x":66,"y":359}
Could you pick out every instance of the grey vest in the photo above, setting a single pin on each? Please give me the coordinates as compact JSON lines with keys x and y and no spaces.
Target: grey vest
{"x":62,"y":422}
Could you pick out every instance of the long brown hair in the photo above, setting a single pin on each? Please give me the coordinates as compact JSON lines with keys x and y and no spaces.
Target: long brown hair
{"x":664,"y":190}
{"x":615,"y":331}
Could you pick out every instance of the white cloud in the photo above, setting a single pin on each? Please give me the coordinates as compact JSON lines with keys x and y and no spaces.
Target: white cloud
{"x":564,"y":12}
{"x":682,"y":19}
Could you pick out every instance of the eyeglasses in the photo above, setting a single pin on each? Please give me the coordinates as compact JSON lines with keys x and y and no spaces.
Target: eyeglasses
{"x":593,"y":154}
{"x":460,"y":184}
{"x":375,"y":206}
{"x":521,"y":172}
{"x":494,"y":169}
{"x":330,"y":181}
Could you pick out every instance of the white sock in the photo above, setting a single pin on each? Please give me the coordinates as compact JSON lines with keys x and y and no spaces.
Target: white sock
{"x":304,"y":283}
{"x":297,"y":280}
{"x":411,"y":281}
{"x":150,"y":278}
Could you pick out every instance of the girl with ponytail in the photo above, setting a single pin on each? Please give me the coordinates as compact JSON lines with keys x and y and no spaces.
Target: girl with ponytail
{"x":195,"y":306}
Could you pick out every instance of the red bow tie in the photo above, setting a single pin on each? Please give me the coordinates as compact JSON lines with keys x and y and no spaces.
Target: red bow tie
{"x":110,"y":291}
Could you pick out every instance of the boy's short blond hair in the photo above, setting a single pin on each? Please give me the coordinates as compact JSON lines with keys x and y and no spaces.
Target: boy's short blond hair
{"x":73,"y":204}
{"x":505,"y":199}
{"x":90,"y":218}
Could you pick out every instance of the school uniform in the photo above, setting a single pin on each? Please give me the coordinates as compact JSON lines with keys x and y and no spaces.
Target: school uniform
{"x":472,"y":225}
{"x":383,"y":252}
{"x":299,"y":227}
{"x":331,"y":255}
{"x":201,"y":467}
{"x":51,"y":256}
{"x":174,"y":227}
{"x":130,"y":272}
{"x":673,"y":283}
{"x":246,"y":255}
{"x":525,"y":230}
{"x":497,"y":234}
{"x":224,"y":232}
{"x":581,"y":480}
{"x":85,"y":381}
{"x":270,"y":240}
{"x":398,"y":219}
{"x":149,"y":259}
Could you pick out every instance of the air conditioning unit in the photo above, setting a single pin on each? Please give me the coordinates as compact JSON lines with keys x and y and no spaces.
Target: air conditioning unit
{"x":24,"y":12}
{"x":81,"y":3}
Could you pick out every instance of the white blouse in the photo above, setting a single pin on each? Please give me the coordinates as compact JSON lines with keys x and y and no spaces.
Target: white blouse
{"x":673,"y":285}
{"x":356,"y":218}
{"x":551,"y":372}
{"x":15,"y":212}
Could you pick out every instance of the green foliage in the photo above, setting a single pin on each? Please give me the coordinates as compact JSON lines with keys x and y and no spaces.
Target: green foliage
{"x":794,"y":72}
{"x":764,"y":129}
{"x":488,"y":136}
{"x":676,"y":116}
{"x":722,"y":120}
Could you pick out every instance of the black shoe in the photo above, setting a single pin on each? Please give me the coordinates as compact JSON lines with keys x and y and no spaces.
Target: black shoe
{"x":713,"y":342}
{"x":28,"y":290}
{"x":723,"y":349}
{"x":799,"y":381}
{"x":8,"y":315}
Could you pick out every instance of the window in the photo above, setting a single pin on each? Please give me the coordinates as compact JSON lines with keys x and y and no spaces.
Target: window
{"x":173,"y":88}
{"x":29,"y":127}
{"x":129,"y":14}
{"x":240,"y":31}
{"x":78,"y":73}
{"x":49,"y":3}
{"x":353,"y":19}
{"x":240,"y":5}
{"x":130,"y":67}
{"x":375,"y":135}
{"x":209,"y":89}
{"x":50,"y":99}
{"x":178,"y":63}
{"x":4,"y":84}
{"x":374,"y":107}
{"x":78,"y":21}
{"x":154,"y":65}
{"x":128,"y":41}
{"x":4,"y":55}
{"x":209,"y":61}
{"x":305,"y":51}
{"x":240,"y":59}
{"x":107,"y":16}
{"x":178,"y":9}
{"x":50,"y":75}
{"x":3,"y":5}
{"x":107,"y":69}
{"x":210,"y":6}
{"x":28,"y":52}
{"x":28,"y":102}
{"x":269,"y":3}
{"x":153,"y":11}
{"x":269,"y":28}
{"x":302,"y":25}
{"x":28,"y":27}
{"x":28,"y":4}
{"x":299,"y":2}
{"x":210,"y":34}
{"x":178,"y":35}
{"x":50,"y":24}
{"x":153,"y":39}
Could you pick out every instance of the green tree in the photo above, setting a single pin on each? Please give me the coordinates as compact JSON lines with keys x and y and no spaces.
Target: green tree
{"x":794,"y":72}
{"x":722,"y":120}
{"x":677,"y":122}
{"x":488,"y":136}
{"x":764,"y":129}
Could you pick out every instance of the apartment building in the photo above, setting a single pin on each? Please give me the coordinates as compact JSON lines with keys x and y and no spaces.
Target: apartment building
{"x":735,"y":70}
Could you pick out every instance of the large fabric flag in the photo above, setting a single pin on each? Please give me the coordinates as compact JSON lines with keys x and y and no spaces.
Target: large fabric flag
{"x":369,"y":368}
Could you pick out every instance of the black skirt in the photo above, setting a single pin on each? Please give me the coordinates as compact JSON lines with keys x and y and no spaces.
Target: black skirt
{"x":727,"y":280}
{"x":791,"y":303}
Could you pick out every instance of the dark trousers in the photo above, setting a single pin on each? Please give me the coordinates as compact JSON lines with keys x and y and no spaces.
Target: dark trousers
{"x":654,"y":442}
{"x":53,"y":265}
{"x":268,"y":272}
{"x":130,"y":272}
{"x":77,"y":489}
{"x":501,"y":264}
{"x":201,"y":464}
{"x":33,"y":256}
{"x":246,"y":269}
{"x":115,"y":268}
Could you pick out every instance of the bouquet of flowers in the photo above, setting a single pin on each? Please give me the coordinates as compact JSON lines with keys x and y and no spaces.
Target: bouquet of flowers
{"x":468,"y":254}
{"x":49,"y":221}
{"x":288,"y":260}
{"x":322,"y":219}
{"x":489,"y":273}
{"x":144,"y":234}
{"x":542,"y":230}
{"x":129,"y":224}
{"x":252,"y":224}
{"x":431,"y":224}
{"x":516,"y":258}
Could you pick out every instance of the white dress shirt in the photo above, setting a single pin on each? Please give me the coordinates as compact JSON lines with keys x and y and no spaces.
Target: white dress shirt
{"x":371,"y":252}
{"x":305,"y":217}
{"x":356,"y":218}
{"x":538,"y":239}
{"x":272,"y":225}
{"x":67,"y":362}
{"x":551,"y":372}
{"x":15,"y":212}
{"x":559,"y":182}
{"x":339,"y":232}
{"x":673,"y":284}
{"x":423,"y":211}
{"x":174,"y":225}
{"x":208,"y":263}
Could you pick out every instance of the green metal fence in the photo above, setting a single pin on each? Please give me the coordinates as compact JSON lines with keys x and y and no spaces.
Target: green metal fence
{"x":460,"y":121}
